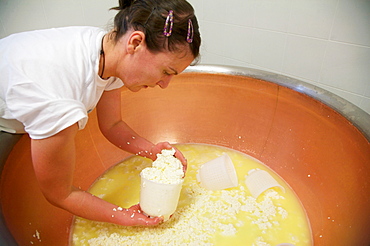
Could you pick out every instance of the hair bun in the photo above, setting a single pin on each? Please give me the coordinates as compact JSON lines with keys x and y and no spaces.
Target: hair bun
{"x":123,"y":4}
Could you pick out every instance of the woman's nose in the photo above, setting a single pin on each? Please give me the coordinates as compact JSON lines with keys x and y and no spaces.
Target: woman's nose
{"x":165,"y":82}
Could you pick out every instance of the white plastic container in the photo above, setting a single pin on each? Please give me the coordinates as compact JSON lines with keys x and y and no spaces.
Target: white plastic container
{"x":259,"y":181}
{"x":218,"y":174}
{"x":158,"y":199}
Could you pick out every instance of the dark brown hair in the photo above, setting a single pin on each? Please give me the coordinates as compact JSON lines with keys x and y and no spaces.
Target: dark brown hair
{"x":149,"y":16}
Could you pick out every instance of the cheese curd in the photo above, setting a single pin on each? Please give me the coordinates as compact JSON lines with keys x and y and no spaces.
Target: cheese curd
{"x":166,"y":169}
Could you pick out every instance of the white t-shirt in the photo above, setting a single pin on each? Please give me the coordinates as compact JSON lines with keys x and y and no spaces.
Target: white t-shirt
{"x":49,"y":79}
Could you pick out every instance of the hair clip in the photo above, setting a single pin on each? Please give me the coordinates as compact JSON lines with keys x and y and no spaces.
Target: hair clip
{"x":190,"y":35}
{"x":150,"y":15}
{"x":168,"y":25}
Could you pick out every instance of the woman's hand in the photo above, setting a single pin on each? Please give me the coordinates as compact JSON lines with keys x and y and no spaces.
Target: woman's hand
{"x":133,"y":216}
{"x":156,"y":149}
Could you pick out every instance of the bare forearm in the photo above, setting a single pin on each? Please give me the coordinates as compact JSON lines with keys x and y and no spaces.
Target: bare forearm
{"x":125,"y":138}
{"x":121,"y":135}
{"x":85,"y":205}
{"x":54,"y":161}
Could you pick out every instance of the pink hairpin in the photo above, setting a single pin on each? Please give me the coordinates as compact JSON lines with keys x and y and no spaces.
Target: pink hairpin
{"x":168,"y":25}
{"x":190,"y":35}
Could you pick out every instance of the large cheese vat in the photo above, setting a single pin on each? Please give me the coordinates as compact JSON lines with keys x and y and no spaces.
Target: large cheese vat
{"x":317,"y":142}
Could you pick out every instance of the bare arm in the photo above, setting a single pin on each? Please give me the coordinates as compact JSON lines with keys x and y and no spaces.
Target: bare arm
{"x":121,"y":135}
{"x":54,"y":163}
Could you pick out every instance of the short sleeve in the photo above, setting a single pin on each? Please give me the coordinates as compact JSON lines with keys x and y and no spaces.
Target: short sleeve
{"x":42,"y":114}
{"x":114,"y":84}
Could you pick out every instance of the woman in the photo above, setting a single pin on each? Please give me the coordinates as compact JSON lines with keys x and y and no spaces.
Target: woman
{"x":51,"y":79}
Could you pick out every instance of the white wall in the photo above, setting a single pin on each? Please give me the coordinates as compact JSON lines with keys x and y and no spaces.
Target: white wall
{"x":323,"y":42}
{"x":24,"y":15}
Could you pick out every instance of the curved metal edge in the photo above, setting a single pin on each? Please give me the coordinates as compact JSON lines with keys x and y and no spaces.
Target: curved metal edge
{"x":358,"y":117}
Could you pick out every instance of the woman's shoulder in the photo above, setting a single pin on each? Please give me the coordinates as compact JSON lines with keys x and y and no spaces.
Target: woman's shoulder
{"x":52,"y":52}
{"x":80,"y":39}
{"x":88,"y":30}
{"x":54,"y":34}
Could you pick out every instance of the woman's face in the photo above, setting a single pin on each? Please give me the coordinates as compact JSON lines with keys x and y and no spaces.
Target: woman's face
{"x":142,"y":69}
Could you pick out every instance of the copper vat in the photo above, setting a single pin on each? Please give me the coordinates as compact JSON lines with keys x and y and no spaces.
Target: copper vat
{"x":317,"y":142}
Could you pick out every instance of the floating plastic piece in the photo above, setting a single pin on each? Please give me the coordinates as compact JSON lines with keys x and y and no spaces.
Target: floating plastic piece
{"x":218,"y":174}
{"x":259,"y":181}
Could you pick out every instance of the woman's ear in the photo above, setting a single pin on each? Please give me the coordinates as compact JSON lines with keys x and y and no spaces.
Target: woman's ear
{"x":135,"y":41}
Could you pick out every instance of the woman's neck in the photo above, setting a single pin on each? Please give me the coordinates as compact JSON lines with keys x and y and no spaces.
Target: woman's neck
{"x":102,"y":59}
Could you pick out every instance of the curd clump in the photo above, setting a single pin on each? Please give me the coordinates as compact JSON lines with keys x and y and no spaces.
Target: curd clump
{"x":166,"y":169}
